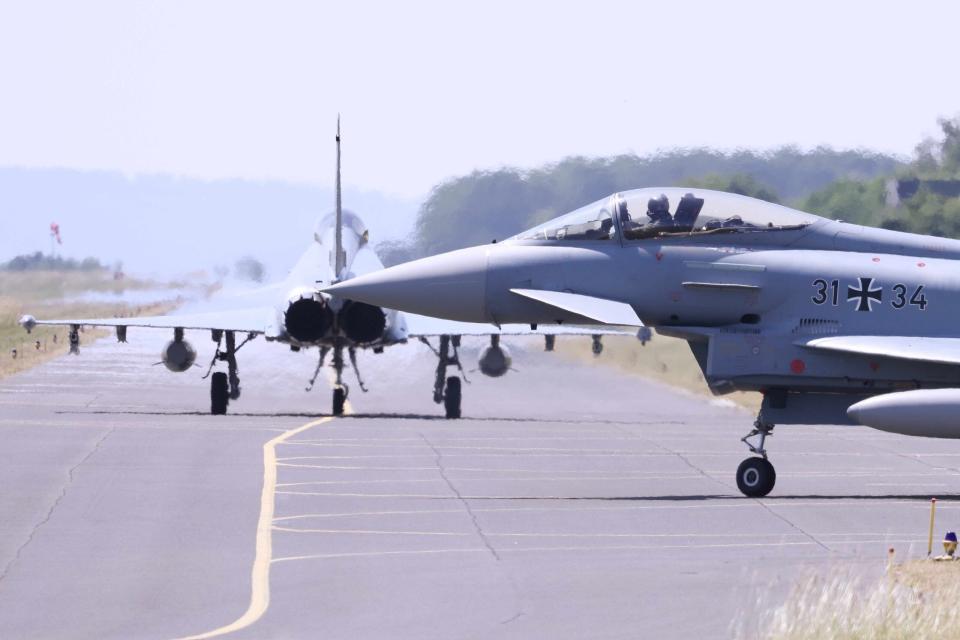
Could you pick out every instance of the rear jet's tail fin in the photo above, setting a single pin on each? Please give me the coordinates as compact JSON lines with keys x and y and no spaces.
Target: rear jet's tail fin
{"x":340,"y":258}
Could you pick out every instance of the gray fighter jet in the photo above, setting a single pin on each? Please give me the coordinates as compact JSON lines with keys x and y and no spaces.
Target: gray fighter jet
{"x":296,"y":314}
{"x":833,"y":323}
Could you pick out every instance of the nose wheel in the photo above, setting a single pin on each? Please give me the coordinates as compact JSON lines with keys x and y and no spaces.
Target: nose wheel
{"x":756,"y":476}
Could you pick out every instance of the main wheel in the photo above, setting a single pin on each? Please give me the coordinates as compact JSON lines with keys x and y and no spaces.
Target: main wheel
{"x":219,"y":393}
{"x":451,"y":398}
{"x":756,"y":477}
{"x":339,"y":399}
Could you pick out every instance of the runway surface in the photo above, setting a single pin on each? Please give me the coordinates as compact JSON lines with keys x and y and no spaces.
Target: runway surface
{"x":572,"y":501}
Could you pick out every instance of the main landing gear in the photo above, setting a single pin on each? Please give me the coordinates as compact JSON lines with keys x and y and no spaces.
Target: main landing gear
{"x":225,"y":387}
{"x":340,"y":390}
{"x":756,"y":476}
{"x":447,"y":390}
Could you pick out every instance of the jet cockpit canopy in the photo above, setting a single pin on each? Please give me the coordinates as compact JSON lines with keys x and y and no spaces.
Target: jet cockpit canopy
{"x":656,"y":212}
{"x":592,"y":222}
{"x":647,"y":213}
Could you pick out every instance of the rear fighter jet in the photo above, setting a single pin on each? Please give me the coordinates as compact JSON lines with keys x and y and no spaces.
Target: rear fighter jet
{"x":300,"y":316}
{"x":833,"y":323}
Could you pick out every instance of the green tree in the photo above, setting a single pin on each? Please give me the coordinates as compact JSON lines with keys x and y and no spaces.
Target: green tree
{"x":852,"y":201}
{"x":743,"y":184}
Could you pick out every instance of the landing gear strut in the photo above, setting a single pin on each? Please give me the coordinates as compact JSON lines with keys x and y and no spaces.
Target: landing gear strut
{"x":756,"y":476}
{"x":340,"y":390}
{"x":75,"y":339}
{"x":224,"y":386}
{"x":447,"y":390}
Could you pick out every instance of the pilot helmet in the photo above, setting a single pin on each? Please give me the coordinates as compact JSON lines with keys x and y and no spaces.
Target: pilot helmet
{"x":659,"y":205}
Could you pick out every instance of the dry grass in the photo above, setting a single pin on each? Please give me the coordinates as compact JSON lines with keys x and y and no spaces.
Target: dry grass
{"x":32,"y":286}
{"x":917,"y":599}
{"x":40,"y":294}
{"x":667,"y":360}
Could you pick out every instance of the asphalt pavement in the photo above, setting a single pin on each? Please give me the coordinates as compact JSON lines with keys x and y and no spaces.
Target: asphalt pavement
{"x":572,"y":501}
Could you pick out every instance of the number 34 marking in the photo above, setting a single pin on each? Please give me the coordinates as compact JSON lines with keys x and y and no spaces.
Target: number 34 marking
{"x":918,"y":298}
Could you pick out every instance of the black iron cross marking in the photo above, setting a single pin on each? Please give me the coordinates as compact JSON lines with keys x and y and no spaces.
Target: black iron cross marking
{"x":865,"y":296}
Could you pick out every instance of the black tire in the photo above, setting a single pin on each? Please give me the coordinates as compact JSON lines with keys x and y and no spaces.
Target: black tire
{"x":219,"y":393}
{"x":451,"y":398}
{"x":756,"y":477}
{"x":339,"y":399}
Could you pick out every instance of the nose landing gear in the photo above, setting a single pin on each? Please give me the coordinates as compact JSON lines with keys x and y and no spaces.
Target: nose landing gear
{"x":756,"y":476}
{"x":224,"y":386}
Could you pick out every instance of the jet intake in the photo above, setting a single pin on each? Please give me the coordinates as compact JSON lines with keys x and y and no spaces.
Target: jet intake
{"x":931,"y":413}
{"x":362,"y":322}
{"x":178,"y":356}
{"x":308,"y":318}
{"x":495,"y":360}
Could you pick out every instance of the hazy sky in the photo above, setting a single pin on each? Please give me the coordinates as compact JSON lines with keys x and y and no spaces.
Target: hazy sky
{"x":432,"y":90}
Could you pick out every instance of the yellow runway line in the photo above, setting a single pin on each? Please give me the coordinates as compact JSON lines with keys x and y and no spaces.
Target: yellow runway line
{"x":260,"y":575}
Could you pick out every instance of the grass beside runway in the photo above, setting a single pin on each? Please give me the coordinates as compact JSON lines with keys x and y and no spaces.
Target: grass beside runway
{"x":54,"y":294}
{"x":667,"y":360}
{"x":916,"y":599}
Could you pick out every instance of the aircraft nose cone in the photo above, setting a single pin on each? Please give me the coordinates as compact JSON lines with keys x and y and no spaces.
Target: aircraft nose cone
{"x":450,"y":285}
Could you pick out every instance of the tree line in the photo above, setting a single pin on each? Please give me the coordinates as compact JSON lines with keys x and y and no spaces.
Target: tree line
{"x":852,"y":185}
{"x":39,"y":261}
{"x":487,"y":205}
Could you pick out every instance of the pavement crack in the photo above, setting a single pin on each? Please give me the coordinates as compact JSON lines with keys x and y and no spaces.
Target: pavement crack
{"x":438,"y":458}
{"x":780,"y":517}
{"x":795,"y":526}
{"x":56,"y":503}
{"x":513,"y":618}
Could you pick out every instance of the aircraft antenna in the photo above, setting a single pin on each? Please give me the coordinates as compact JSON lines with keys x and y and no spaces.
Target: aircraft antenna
{"x":338,"y":260}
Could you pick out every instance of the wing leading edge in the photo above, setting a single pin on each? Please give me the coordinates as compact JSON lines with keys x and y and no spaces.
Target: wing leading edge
{"x":254,"y":320}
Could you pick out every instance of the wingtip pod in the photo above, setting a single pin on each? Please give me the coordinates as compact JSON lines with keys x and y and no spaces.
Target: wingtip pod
{"x":930,"y":413}
{"x":28,"y":322}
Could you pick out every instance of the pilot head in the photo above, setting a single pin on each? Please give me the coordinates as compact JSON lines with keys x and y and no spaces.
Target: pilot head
{"x":658,"y":209}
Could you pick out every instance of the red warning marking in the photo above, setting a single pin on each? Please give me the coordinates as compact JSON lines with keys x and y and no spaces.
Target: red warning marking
{"x":798,"y":366}
{"x":874,"y":366}
{"x":921,"y":264}
{"x":876,"y":259}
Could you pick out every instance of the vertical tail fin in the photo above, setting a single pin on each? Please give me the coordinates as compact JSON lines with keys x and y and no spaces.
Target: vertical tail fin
{"x":339,"y":256}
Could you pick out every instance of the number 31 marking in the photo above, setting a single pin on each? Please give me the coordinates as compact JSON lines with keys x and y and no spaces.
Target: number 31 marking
{"x":822,"y":288}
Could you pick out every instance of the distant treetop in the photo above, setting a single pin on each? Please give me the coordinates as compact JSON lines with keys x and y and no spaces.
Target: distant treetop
{"x":40,"y":262}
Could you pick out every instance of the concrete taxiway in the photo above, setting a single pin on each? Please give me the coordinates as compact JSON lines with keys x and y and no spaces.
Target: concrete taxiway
{"x":572,"y":501}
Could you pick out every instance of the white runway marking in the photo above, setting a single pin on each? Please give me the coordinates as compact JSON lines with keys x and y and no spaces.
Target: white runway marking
{"x":378,"y":532}
{"x":864,"y":536}
{"x":371,"y":554}
{"x":738,"y":504}
{"x":570,"y":549}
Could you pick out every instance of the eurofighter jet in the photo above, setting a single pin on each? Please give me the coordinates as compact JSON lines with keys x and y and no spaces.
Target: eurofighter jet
{"x":833,"y":323}
{"x":300,"y":316}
